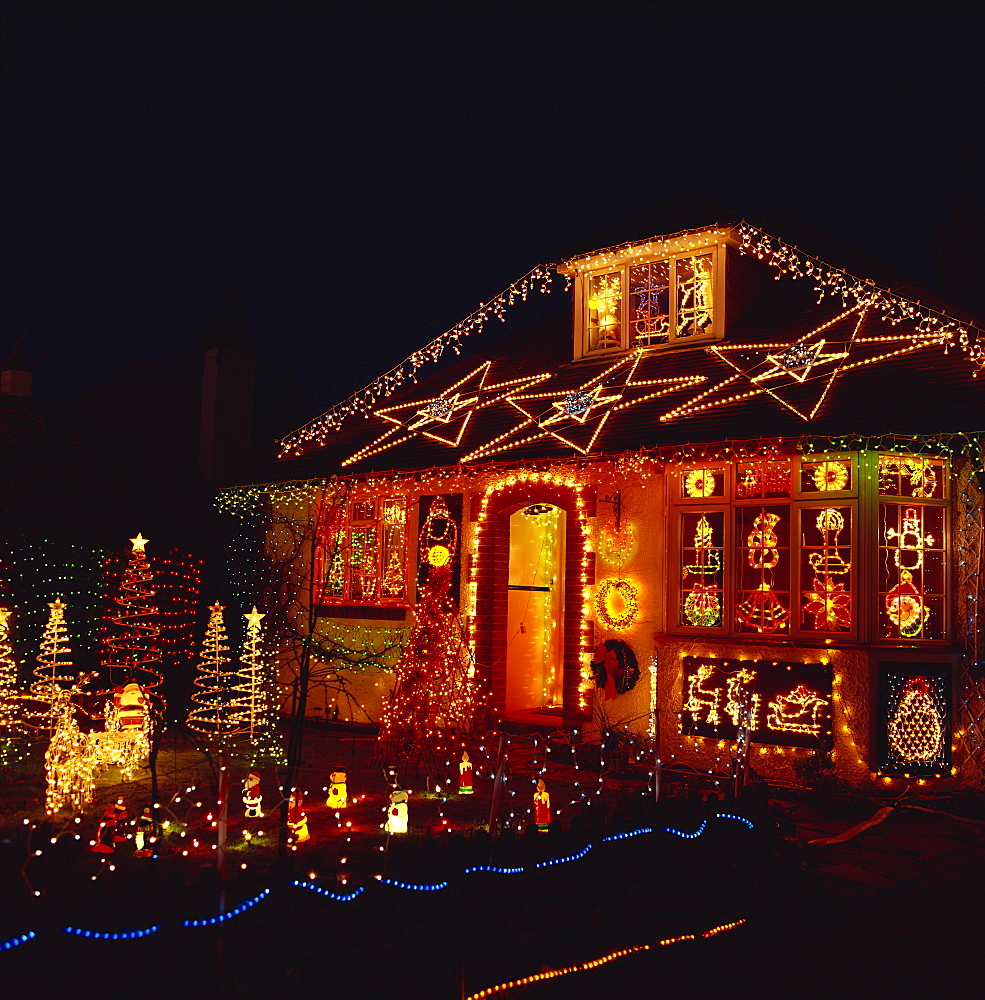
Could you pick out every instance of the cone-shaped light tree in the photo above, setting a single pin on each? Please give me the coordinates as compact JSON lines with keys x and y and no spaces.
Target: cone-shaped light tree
{"x":54,"y":672}
{"x":253,"y":707}
{"x":212,"y":712}
{"x":11,"y":730}
{"x":131,"y":651}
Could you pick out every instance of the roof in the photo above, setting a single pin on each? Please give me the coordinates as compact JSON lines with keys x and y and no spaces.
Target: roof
{"x":861,"y":360}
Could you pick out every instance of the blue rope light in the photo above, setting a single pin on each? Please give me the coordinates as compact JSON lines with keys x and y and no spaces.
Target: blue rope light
{"x":15,"y":941}
{"x":341,"y":897}
{"x":570,"y":857}
{"x":242,"y":908}
{"x":740,"y":819}
{"x":687,"y":836}
{"x":492,"y":868}
{"x":631,"y":833}
{"x":409,"y":885}
{"x":111,"y":935}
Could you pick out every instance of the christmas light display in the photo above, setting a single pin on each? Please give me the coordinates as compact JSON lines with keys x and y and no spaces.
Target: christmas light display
{"x":465,"y":774}
{"x":396,"y":816}
{"x":54,"y":672}
{"x":125,"y":741}
{"x":11,"y":730}
{"x":212,"y":710}
{"x":761,"y":609}
{"x":917,"y":712}
{"x":71,"y":760}
{"x":918,"y":556}
{"x":132,"y":648}
{"x":338,"y":794}
{"x":251,"y":710}
{"x":702,"y":603}
{"x":252,"y":796}
{"x":443,"y":418}
{"x":615,"y":668}
{"x":829,"y":604}
{"x":616,"y":605}
{"x":703,"y":482}
{"x":145,"y":835}
{"x":798,"y":711}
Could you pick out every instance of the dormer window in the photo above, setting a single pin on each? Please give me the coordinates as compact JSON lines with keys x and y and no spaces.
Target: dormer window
{"x":671,"y":298}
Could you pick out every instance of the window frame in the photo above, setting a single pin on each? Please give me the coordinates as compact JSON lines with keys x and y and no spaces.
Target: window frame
{"x":717,"y":331}
{"x":347,"y":524}
{"x":864,"y":547}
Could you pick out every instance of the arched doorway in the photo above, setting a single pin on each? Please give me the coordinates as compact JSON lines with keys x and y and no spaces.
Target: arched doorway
{"x":535,"y":608}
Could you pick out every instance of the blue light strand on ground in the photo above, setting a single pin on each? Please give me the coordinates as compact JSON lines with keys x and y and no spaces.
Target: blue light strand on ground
{"x":740,"y":819}
{"x":242,"y":908}
{"x":409,"y":885}
{"x":15,"y":941}
{"x":562,"y":861}
{"x":687,"y":836}
{"x":338,"y":896}
{"x":112,"y":935}
{"x":492,"y":868}
{"x":630,"y":833}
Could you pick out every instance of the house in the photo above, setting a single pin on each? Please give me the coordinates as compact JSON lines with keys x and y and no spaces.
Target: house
{"x":730,"y":503}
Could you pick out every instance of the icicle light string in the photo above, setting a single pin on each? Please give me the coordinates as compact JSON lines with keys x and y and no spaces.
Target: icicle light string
{"x":540,"y":278}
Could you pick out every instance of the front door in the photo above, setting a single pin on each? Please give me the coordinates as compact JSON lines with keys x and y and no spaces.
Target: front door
{"x":535,"y":613}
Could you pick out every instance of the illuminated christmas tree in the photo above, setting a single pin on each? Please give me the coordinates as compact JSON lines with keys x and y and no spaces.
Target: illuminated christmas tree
{"x":436,"y":696}
{"x":212,"y":714}
{"x":252,"y":710}
{"x":54,"y":670}
{"x":10,"y":726}
{"x":131,"y":649}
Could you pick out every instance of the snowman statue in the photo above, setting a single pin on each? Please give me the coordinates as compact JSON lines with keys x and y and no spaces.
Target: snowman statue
{"x":396,"y":819}
{"x":337,"y":795}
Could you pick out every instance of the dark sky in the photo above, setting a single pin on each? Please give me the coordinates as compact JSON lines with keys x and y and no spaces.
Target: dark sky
{"x":366,"y":173}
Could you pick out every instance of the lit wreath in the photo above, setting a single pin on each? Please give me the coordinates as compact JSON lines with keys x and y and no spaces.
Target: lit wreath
{"x":628,"y":594}
{"x":831,"y":476}
{"x":700,"y":483}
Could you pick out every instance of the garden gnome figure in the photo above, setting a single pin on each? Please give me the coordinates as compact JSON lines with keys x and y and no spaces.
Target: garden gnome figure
{"x":338,"y":797}
{"x":542,"y":807}
{"x":144,"y":835}
{"x":105,"y":835}
{"x":252,"y":798}
{"x":396,"y":820}
{"x":297,"y":820}
{"x":465,"y":775}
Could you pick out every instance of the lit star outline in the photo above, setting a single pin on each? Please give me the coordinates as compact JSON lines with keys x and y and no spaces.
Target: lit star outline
{"x":139,"y":542}
{"x":253,"y":617}
{"x":824,"y":367}
{"x":546,"y":414}
{"x":465,"y":397}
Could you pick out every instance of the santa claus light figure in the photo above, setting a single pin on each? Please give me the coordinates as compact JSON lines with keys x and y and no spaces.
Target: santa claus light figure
{"x":252,"y":798}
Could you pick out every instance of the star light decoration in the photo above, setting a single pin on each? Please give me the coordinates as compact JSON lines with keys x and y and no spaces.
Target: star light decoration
{"x":799,"y":374}
{"x":576,"y":416}
{"x":445,"y":417}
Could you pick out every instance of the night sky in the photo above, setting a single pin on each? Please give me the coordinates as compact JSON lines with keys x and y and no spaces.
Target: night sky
{"x":364,"y":174}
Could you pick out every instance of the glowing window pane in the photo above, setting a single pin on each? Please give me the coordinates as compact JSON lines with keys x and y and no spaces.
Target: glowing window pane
{"x":830,"y":475}
{"x":702,"y":575}
{"x":695,"y":306}
{"x":762,"y":479}
{"x":911,"y":571}
{"x":649,"y":303}
{"x":826,"y":569}
{"x":703,"y":483}
{"x":912,"y":476}
{"x":604,"y":311}
{"x":762,"y":569}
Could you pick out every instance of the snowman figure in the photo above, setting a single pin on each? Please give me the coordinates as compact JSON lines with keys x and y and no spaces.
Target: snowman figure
{"x":338,"y":797}
{"x":396,"y":819}
{"x":252,"y":799}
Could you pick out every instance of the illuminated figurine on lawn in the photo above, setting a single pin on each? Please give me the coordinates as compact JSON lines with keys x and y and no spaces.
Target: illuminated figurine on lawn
{"x":542,"y":807}
{"x":252,"y":797}
{"x":338,"y":796}
{"x":465,"y":775}
{"x":144,"y":834}
{"x":120,"y":810}
{"x":396,"y":818}
{"x":297,"y":820}
{"x":105,"y":842}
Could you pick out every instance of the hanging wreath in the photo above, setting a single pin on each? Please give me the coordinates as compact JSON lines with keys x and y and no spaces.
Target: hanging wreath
{"x":615,"y":668}
{"x":620,"y":592}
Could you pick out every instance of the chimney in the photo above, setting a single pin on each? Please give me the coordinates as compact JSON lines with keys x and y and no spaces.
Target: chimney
{"x":227,"y":393}
{"x":16,"y":372}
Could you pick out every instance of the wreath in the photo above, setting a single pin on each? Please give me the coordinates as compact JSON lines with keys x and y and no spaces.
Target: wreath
{"x":616,"y":619}
{"x":615,"y":667}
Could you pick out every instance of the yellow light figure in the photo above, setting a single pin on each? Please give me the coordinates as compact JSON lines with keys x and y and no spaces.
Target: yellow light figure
{"x":297,"y":819}
{"x":465,"y":774}
{"x":338,"y":796}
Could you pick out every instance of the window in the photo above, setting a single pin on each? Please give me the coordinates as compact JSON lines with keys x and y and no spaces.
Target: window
{"x":773,"y":548}
{"x":674,"y":299}
{"x":360,"y":552}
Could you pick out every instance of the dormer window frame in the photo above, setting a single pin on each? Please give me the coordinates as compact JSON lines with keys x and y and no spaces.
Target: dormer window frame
{"x":588,"y":270}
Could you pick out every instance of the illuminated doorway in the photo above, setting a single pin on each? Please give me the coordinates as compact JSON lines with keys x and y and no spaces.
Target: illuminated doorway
{"x":535,"y":608}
